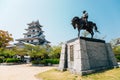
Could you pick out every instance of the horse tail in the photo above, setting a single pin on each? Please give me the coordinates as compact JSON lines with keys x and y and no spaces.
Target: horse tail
{"x":96,"y":29}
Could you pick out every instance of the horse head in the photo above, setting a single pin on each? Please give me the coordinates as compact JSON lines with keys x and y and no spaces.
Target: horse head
{"x":75,"y":20}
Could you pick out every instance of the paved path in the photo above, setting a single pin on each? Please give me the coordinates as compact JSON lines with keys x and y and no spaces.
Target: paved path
{"x":21,"y":72}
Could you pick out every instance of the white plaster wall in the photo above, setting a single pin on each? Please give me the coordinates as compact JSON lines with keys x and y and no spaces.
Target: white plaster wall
{"x":36,"y":40}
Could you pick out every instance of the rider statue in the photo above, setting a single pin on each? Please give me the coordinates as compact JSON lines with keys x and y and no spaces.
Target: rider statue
{"x":85,"y":17}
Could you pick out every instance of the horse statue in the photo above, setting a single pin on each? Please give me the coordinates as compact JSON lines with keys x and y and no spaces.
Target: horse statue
{"x":81,"y":25}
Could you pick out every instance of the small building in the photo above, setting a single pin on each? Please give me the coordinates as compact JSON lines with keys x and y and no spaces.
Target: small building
{"x":33,"y":36}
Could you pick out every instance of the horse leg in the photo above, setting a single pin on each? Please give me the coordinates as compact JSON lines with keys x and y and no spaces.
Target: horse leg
{"x":92,"y":33}
{"x":78,"y":33}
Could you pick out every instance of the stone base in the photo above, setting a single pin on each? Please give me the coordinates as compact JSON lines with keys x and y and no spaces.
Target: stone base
{"x":86,"y":55}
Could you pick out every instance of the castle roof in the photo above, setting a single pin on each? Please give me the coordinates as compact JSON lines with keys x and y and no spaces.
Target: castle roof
{"x":31,"y":38}
{"x":34,"y":24}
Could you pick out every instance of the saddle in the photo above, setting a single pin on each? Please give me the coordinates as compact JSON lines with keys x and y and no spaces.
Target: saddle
{"x":84,"y":22}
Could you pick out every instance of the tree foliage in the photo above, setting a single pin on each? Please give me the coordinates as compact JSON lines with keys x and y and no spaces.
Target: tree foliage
{"x":37,"y":52}
{"x":55,"y":51}
{"x":5,"y":38}
{"x":116,"y":50}
{"x":7,"y":53}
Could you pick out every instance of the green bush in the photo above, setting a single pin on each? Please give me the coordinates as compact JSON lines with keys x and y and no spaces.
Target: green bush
{"x":35,"y":62}
{"x":12,"y":60}
{"x":52,"y":61}
{"x":118,"y":58}
{"x":55,"y":61}
{"x":1,"y":59}
{"x":39,"y":62}
{"x":43,"y":62}
{"x":46,"y":61}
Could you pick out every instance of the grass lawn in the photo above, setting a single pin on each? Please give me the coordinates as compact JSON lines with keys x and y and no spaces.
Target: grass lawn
{"x":113,"y":74}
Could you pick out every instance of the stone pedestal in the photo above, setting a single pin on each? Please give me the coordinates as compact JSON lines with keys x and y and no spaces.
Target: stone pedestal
{"x":63,"y":58}
{"x":86,"y":55}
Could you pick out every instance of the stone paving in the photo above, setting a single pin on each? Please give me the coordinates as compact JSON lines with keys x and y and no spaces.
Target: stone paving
{"x":21,"y":72}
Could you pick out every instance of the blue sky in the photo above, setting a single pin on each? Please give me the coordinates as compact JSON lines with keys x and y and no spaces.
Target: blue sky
{"x":56,"y":15}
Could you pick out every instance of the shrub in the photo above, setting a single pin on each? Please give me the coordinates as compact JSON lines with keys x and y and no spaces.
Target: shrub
{"x":35,"y":62}
{"x":52,"y":61}
{"x":56,"y":61}
{"x":46,"y":61}
{"x":39,"y":62}
{"x":1,"y":59}
{"x":43,"y":62}
{"x":118,"y":58}
{"x":12,"y":60}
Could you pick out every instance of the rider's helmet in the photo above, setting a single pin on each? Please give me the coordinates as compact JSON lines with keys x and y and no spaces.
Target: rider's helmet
{"x":84,"y":11}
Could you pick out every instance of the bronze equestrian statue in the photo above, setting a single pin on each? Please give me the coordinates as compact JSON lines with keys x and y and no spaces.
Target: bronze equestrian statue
{"x":83,"y":24}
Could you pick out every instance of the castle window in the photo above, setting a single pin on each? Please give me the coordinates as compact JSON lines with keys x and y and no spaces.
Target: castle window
{"x":28,"y":35}
{"x":33,"y":30}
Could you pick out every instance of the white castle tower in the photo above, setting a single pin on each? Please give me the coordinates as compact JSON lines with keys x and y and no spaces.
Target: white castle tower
{"x":34,"y":35}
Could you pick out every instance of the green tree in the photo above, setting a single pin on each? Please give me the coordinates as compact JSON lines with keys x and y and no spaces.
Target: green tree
{"x":7,"y":53}
{"x":116,"y":50}
{"x":55,"y":51}
{"x":21,"y":52}
{"x":37,"y":52}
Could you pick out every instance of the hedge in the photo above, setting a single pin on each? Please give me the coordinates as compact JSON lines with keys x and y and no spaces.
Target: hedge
{"x":52,"y":61}
{"x":46,"y":61}
{"x":118,"y":58}
{"x":1,"y":59}
{"x":12,"y":60}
